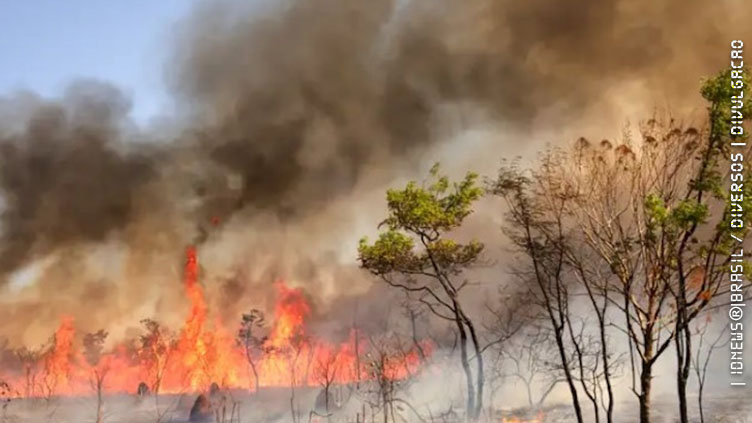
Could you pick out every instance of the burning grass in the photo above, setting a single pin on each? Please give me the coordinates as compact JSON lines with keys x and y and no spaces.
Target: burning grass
{"x":203,"y":352}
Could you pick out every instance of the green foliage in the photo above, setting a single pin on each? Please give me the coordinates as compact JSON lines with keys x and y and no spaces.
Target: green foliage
{"x":718,"y":91}
{"x":687,"y":213}
{"x":655,"y":209}
{"x":671,"y":221}
{"x":419,"y":219}
{"x":393,"y":250}
{"x":741,"y":210}
{"x":725,"y":93}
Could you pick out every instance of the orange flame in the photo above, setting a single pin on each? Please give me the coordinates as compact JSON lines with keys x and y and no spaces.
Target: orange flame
{"x":57,"y":361}
{"x":205,"y":353}
{"x":538,"y":419}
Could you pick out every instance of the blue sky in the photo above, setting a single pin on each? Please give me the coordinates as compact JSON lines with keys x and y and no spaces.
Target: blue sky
{"x":44,"y":44}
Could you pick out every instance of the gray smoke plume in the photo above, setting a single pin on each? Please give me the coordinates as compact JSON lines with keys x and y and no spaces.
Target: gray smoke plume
{"x":65,"y":175}
{"x":298,"y":100}
{"x":295,"y":113}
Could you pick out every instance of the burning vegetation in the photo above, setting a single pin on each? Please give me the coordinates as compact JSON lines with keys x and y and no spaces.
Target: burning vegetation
{"x":201,"y":354}
{"x":293,"y":119}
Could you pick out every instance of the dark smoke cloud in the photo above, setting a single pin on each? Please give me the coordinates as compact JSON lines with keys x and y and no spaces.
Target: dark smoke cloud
{"x":290,"y":107}
{"x":298,"y":100}
{"x":293,"y":104}
{"x":63,"y":176}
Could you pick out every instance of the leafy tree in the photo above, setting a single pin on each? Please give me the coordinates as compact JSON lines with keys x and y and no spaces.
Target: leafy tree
{"x":417,"y":254}
{"x":699,"y":259}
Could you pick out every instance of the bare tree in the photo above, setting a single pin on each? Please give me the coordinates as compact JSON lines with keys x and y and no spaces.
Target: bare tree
{"x":154,"y":349}
{"x":510,"y":315}
{"x":532,"y":364}
{"x":388,"y":368}
{"x":29,"y":360}
{"x":252,"y":341}
{"x":705,"y":349}
{"x":55,"y":372}
{"x":414,"y":312}
{"x":641,"y":227}
{"x":298,"y":344}
{"x":537,"y":236}
{"x":93,"y":347}
{"x":325,"y":372}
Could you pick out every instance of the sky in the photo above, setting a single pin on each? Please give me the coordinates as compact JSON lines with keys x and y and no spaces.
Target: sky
{"x":44,"y":44}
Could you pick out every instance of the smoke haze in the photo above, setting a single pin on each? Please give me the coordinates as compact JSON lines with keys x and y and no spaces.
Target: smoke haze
{"x":293,"y":119}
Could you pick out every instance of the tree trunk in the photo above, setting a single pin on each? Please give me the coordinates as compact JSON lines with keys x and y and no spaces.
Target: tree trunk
{"x":601,"y":313}
{"x":607,"y":375}
{"x":292,"y":405}
{"x":255,"y":376}
{"x":386,"y":405}
{"x":100,"y":414}
{"x":480,"y":379}
{"x":699,"y":400}
{"x":646,"y":383}
{"x":470,"y":406}
{"x":568,"y":373}
{"x":683,"y":342}
{"x":479,"y":382}
{"x":684,"y":357}
{"x":414,"y":331}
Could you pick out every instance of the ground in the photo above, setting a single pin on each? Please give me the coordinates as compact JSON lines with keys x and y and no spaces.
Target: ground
{"x":273,"y":406}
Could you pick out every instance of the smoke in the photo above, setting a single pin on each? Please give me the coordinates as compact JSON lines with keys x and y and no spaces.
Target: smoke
{"x":65,"y":175}
{"x":293,"y":119}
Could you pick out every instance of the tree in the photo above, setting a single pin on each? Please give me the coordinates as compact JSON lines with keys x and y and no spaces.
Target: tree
{"x":705,"y":349}
{"x":511,"y":314}
{"x":298,"y":343}
{"x":29,"y":359}
{"x":700,"y":260}
{"x":532,"y":364}
{"x":155,"y":346}
{"x":539,"y":224}
{"x":643,"y":226}
{"x":416,"y":254}
{"x":251,"y":341}
{"x":387,"y":363}
{"x":93,"y":347}
{"x":325,"y":371}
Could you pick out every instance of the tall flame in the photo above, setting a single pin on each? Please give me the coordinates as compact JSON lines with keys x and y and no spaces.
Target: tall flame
{"x":57,"y":361}
{"x":205,"y":352}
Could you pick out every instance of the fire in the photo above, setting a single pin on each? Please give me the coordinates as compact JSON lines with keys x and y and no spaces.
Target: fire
{"x":290,"y":313}
{"x":57,"y":362}
{"x":538,"y":419}
{"x":202,"y":356}
{"x":204,"y":352}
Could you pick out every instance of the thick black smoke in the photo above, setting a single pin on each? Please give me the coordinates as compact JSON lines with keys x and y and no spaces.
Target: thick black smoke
{"x":292,"y":102}
{"x":298,"y":100}
{"x":65,"y":178}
